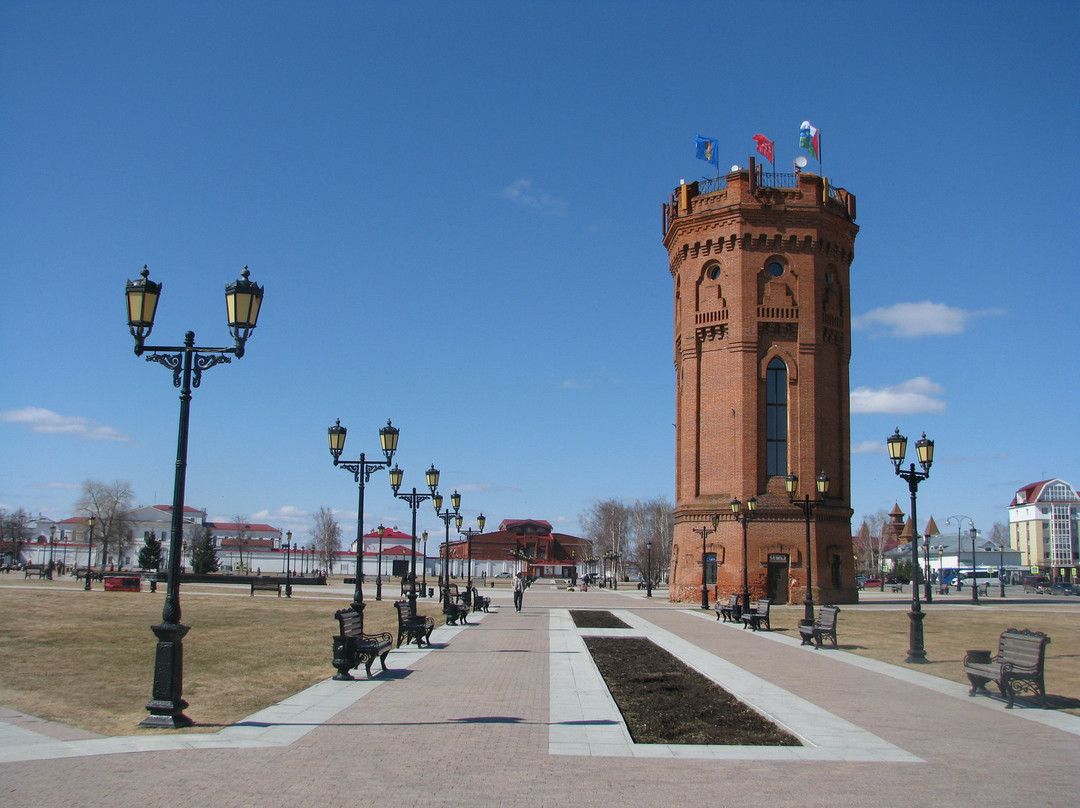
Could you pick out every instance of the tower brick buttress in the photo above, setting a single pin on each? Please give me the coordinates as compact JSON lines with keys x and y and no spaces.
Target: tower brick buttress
{"x":762,"y":349}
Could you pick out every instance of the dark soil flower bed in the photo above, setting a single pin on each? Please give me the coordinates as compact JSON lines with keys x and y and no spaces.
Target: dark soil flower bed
{"x":664,"y":700}
{"x":594,"y":618}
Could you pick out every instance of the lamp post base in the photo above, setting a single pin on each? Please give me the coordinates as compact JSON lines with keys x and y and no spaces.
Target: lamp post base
{"x":378,"y":589}
{"x":167,"y":707}
{"x":704,"y":598}
{"x":916,"y":652}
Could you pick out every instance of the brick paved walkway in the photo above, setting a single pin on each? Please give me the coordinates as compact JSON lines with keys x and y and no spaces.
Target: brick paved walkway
{"x":508,"y":712}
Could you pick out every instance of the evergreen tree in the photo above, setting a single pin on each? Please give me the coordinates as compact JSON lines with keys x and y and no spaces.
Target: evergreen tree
{"x":204,"y":559}
{"x":150,"y":553}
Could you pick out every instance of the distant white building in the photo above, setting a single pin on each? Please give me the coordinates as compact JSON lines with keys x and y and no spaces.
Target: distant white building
{"x":1044,"y":525}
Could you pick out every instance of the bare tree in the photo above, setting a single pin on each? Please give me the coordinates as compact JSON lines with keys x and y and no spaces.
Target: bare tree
{"x":652,"y":521}
{"x":871,"y":540}
{"x":241,"y":526}
{"x":608,"y":525}
{"x":327,"y":536}
{"x":109,"y":504}
{"x":14,"y":533}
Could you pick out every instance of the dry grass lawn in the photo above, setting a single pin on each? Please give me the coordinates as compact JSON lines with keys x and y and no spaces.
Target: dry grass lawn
{"x":87,"y":660}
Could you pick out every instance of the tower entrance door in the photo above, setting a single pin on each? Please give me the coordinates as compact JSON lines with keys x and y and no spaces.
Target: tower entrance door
{"x":777,"y":582}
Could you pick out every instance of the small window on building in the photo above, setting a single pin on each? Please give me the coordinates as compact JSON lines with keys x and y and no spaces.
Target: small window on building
{"x":775,"y":268}
{"x":712,"y":272}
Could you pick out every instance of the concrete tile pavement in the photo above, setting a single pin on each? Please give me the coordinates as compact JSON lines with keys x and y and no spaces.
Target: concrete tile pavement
{"x":509,"y":711}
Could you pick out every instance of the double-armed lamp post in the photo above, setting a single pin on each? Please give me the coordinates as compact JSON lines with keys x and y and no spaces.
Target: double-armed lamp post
{"x":288,"y":568}
{"x":924,"y":451}
{"x":446,"y":516}
{"x":743,"y":516}
{"x":807,"y":505}
{"x":468,"y":533}
{"x":89,"y":550}
{"x":704,"y":531}
{"x":243,"y":300}
{"x":361,"y":470}
{"x":414,"y":499}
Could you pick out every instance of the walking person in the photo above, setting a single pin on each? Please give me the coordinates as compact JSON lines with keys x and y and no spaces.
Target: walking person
{"x":519,"y":590}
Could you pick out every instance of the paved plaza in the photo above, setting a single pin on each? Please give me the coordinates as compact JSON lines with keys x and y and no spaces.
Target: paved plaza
{"x":510,"y":711}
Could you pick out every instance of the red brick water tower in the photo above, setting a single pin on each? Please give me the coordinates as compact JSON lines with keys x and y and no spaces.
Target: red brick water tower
{"x":760,"y":265}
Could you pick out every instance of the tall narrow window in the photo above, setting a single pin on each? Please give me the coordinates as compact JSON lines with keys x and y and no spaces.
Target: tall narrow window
{"x":776,"y":419}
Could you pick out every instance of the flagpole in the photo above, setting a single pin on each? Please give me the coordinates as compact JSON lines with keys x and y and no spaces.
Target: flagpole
{"x":820,"y":165}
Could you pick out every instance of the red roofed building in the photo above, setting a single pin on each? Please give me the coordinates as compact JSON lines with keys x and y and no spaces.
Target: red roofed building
{"x":1044,"y":525}
{"x":526,"y":545}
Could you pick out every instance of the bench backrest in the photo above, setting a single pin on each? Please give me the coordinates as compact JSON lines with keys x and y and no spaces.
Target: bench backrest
{"x":1022,"y":648}
{"x":351,"y":622}
{"x":827,"y":617}
{"x":404,"y":612}
{"x":763,"y":606}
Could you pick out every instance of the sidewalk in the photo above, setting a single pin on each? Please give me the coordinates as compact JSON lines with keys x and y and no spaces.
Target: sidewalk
{"x":510,"y":711}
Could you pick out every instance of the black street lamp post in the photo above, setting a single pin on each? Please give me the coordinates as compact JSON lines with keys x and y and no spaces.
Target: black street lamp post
{"x":940,"y":567}
{"x":744,"y":516}
{"x":1001,"y":568}
{"x":243,"y":300}
{"x":446,"y":516}
{"x":288,"y":576}
{"x":928,"y":594}
{"x":974,"y":566}
{"x":468,"y":533}
{"x":361,"y":470}
{"x":704,"y":531}
{"x":958,"y":519}
{"x":89,"y":550}
{"x":423,"y":575}
{"x":648,"y":569}
{"x":807,"y":505}
{"x":414,"y":499}
{"x":924,"y":450}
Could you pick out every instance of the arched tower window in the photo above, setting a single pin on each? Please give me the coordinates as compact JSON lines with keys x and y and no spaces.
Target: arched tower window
{"x":776,"y":418}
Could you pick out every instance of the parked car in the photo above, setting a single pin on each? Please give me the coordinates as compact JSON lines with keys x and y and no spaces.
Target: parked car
{"x":1036,"y":583}
{"x":869,"y":582}
{"x":1063,"y":588}
{"x":502,"y":574}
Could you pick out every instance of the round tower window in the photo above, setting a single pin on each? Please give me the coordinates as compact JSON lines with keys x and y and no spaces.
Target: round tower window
{"x":713,"y":272}
{"x":775,"y":268}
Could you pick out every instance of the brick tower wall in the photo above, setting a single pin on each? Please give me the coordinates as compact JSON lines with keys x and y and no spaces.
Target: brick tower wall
{"x":733,"y":316}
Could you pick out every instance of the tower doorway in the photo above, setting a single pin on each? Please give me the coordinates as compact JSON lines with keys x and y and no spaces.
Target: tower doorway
{"x":776,"y":584}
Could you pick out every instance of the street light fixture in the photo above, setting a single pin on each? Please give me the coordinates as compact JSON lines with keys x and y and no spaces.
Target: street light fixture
{"x":648,"y":569}
{"x":704,"y":531}
{"x":446,"y":516}
{"x":807,"y":505}
{"x":243,"y":300}
{"x":414,"y":499}
{"x":924,"y":450}
{"x":361,"y":470}
{"x":744,"y":516}
{"x":468,"y":533}
{"x":89,"y":550}
{"x":423,"y":575}
{"x":288,"y":576}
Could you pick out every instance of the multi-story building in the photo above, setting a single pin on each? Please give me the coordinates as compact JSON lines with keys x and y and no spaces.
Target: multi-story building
{"x":1044,"y":525}
{"x":760,"y":265}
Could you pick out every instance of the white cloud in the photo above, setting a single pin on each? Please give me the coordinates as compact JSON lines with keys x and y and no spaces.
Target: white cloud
{"x":37,"y":419}
{"x":911,"y":320}
{"x":522,"y":192}
{"x":868,"y":447}
{"x":916,"y":395}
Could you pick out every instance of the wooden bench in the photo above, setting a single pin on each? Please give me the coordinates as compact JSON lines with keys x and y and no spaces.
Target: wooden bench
{"x":352,"y":646}
{"x":898,"y":587}
{"x":823,"y":627}
{"x":728,"y":611}
{"x":479,"y":602}
{"x":265,"y":585}
{"x":30,"y":569}
{"x":412,"y":626}
{"x":1018,"y":665}
{"x":455,"y":607}
{"x":759,"y":617}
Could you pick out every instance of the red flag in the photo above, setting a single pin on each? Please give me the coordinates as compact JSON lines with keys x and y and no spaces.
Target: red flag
{"x":765,"y":146}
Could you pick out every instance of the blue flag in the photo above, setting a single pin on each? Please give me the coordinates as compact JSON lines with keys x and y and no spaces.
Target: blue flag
{"x":707,"y":150}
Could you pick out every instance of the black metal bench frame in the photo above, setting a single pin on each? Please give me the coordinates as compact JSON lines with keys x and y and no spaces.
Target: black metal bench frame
{"x":1018,"y":666}
{"x":759,"y":617}
{"x":412,"y":626}
{"x":479,"y":602}
{"x":353,"y":647}
{"x":456,"y":607}
{"x":266,"y":586}
{"x":728,"y":611}
{"x":823,"y":628}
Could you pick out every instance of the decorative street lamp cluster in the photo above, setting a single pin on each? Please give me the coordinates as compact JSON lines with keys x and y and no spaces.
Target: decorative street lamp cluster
{"x":468,"y":533}
{"x":958,"y":520}
{"x":705,"y":531}
{"x":362,"y":470}
{"x":807,"y":505}
{"x":744,"y":516}
{"x":924,"y":450}
{"x":243,"y":300}
{"x":446,"y":516}
{"x":414,"y":499}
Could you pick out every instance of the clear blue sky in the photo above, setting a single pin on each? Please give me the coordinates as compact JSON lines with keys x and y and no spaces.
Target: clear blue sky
{"x":455,"y":211}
